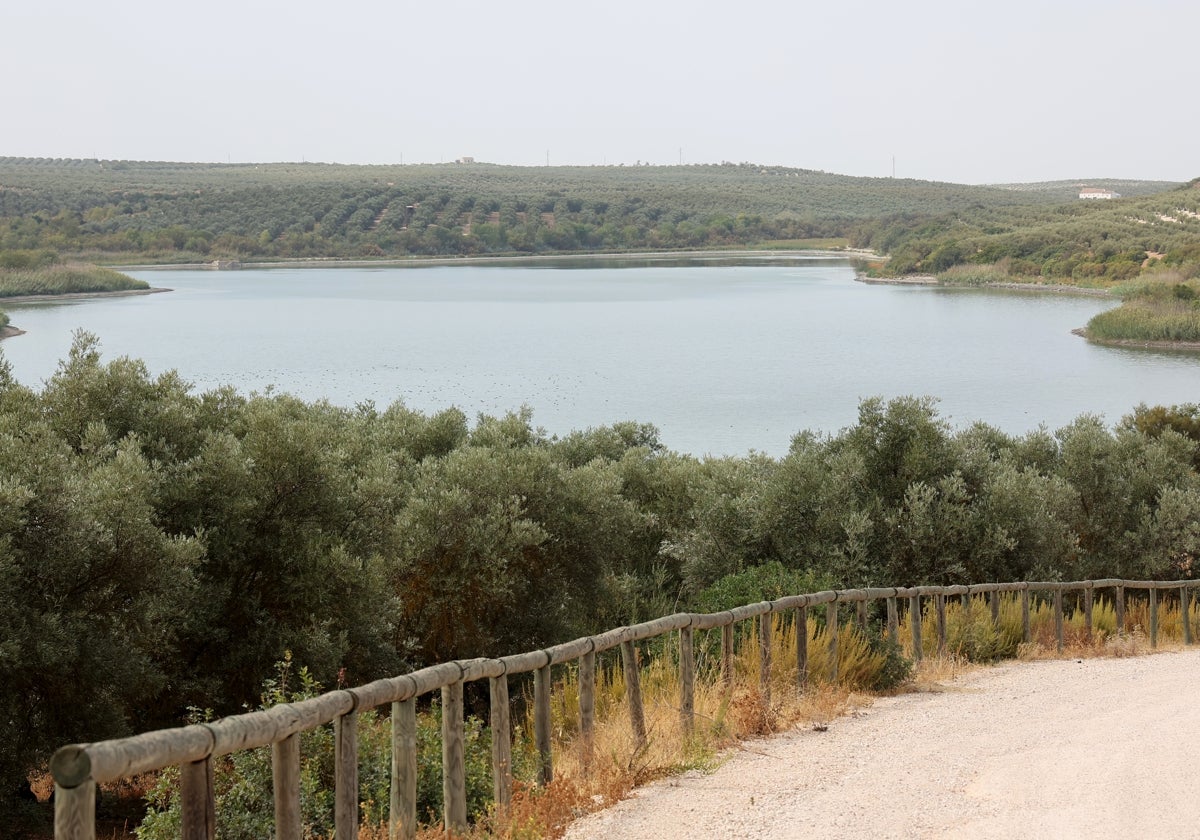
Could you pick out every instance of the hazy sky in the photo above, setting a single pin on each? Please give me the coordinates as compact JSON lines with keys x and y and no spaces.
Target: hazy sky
{"x":1010,"y":90}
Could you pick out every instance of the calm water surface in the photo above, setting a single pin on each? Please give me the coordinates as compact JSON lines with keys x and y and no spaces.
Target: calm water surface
{"x":723,"y":359}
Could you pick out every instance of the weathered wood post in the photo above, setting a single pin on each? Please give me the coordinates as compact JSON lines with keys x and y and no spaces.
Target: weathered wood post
{"x":1026,"y":626}
{"x":285,"y":774}
{"x":75,"y":811}
{"x":914,"y":620}
{"x":345,"y":775}
{"x":633,"y":691}
{"x":727,"y":656}
{"x":1153,"y":616}
{"x":498,"y":720}
{"x":1058,"y":618}
{"x":994,"y":603}
{"x":939,"y":601}
{"x":454,"y":774}
{"x":1185,"y":606}
{"x":1088,"y":598}
{"x":764,"y":659}
{"x":862,"y":615}
{"x":831,"y":629}
{"x":802,"y":646}
{"x":893,"y":621}
{"x":197,"y":800}
{"x":687,"y":680}
{"x":541,"y":722}
{"x":402,"y":816}
{"x":1120,"y":606}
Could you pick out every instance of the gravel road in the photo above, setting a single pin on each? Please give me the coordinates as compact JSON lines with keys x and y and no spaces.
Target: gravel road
{"x":1092,"y":748}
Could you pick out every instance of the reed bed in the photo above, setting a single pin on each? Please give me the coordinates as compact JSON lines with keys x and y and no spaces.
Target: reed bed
{"x":65,"y":279}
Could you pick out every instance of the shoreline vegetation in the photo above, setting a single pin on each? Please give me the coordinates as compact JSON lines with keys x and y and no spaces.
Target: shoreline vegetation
{"x":51,"y":279}
{"x":27,"y":277}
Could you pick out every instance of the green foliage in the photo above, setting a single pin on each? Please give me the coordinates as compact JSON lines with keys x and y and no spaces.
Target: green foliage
{"x":767,"y":582}
{"x":894,"y":669}
{"x":161,"y":549}
{"x":4,"y":320}
{"x":65,"y":279}
{"x":1151,"y":311}
{"x":243,"y":780}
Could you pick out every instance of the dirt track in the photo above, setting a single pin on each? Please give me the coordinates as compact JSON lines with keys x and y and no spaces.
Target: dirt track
{"x":1094,"y":748}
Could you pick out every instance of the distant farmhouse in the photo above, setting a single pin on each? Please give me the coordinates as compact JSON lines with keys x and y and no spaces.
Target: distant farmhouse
{"x":1090,"y":192}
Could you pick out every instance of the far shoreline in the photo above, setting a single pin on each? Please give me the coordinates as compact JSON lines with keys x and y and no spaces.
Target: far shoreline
{"x":742,"y":253}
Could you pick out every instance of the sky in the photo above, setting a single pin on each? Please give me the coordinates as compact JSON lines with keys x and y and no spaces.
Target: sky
{"x":961,"y":91}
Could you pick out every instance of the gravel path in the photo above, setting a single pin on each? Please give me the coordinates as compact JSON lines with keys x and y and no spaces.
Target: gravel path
{"x":1090,"y":748}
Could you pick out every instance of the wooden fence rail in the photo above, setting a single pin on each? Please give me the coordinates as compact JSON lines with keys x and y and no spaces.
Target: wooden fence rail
{"x":78,"y":768}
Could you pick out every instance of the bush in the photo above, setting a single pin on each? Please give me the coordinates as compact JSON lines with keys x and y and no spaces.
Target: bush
{"x":243,"y":780}
{"x":759,"y":583}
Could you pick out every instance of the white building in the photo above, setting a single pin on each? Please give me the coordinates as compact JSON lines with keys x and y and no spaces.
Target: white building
{"x":1090,"y":192}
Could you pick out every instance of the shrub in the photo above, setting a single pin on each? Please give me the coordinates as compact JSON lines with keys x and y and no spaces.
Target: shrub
{"x":243,"y":779}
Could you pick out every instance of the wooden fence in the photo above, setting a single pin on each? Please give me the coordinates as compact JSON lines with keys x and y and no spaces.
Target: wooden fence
{"x":77,"y":769}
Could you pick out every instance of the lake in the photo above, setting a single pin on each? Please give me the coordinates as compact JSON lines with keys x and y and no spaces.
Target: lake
{"x":722,"y":358}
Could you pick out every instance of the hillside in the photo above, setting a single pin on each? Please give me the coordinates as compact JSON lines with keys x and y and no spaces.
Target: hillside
{"x":176,"y":212}
{"x":1085,"y":242}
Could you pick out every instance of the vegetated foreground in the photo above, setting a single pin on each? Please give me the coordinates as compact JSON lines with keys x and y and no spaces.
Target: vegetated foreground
{"x":1068,"y":748}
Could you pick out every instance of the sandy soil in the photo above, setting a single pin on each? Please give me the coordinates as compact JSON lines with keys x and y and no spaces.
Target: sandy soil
{"x":1090,"y":748}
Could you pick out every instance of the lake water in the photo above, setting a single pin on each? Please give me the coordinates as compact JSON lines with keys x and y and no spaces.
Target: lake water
{"x":722,"y":358}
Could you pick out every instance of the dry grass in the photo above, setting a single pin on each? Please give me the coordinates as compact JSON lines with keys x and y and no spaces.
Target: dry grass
{"x":589,"y":779}
{"x":725,"y":717}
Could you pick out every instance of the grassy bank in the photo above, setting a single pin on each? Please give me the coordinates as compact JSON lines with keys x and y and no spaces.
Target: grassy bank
{"x":65,"y":279}
{"x":1158,"y":311}
{"x":3,"y":320}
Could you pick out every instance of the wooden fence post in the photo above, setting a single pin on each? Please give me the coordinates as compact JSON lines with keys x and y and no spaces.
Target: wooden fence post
{"x":345,"y":775}
{"x":587,"y":703}
{"x":727,"y":656}
{"x":1184,"y":610}
{"x":994,"y":603}
{"x":687,"y":680}
{"x":454,"y":774}
{"x":1088,"y":598}
{"x":764,"y":659}
{"x":862,"y":615}
{"x":1153,"y":617}
{"x":914,"y":620}
{"x":1058,"y":619}
{"x":939,"y":601}
{"x":75,"y":811}
{"x":802,"y":646}
{"x":1120,"y":605}
{"x":831,"y":630}
{"x":498,"y":719}
{"x":197,"y":800}
{"x":285,"y":773}
{"x":402,"y":816}
{"x":1026,"y":626}
{"x":893,"y":621}
{"x":633,"y":691}
{"x":541,"y":722}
